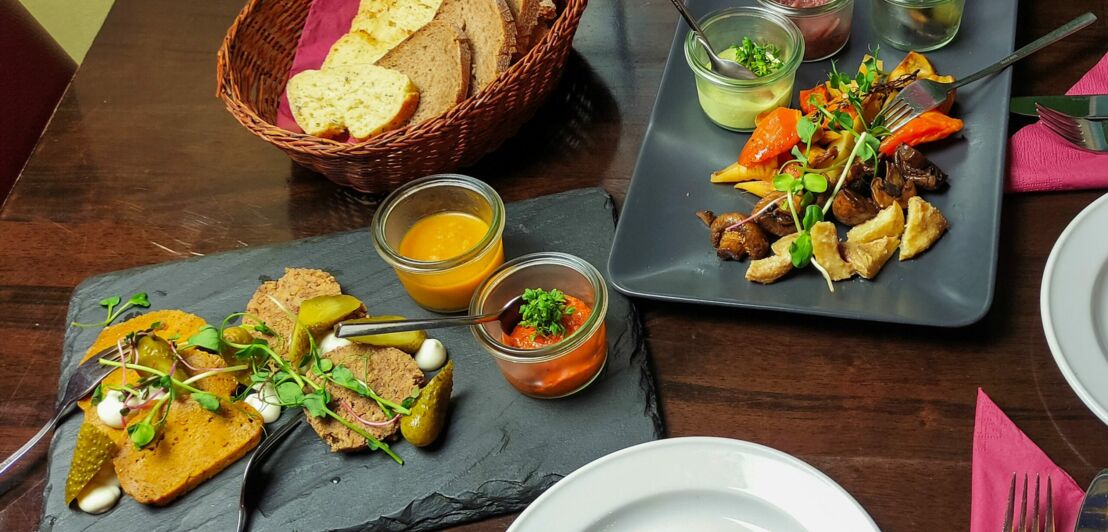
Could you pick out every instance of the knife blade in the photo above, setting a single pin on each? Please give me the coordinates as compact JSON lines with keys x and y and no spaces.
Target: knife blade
{"x":1095,"y":106}
{"x":1093,"y":516}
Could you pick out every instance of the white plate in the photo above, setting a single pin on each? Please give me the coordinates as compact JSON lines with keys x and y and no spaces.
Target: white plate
{"x":1074,"y":304}
{"x":702,"y":484}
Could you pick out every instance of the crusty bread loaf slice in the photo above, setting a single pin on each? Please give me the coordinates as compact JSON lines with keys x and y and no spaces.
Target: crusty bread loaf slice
{"x":192,"y":447}
{"x":492,"y":36}
{"x":362,"y":99}
{"x":384,"y":24}
{"x":354,"y":48}
{"x":525,"y":13}
{"x":437,"y":59}
{"x":390,"y":373}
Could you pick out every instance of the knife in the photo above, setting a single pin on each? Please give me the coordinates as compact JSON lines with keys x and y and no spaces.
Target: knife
{"x":1076,"y":106}
{"x":1094,"y":508}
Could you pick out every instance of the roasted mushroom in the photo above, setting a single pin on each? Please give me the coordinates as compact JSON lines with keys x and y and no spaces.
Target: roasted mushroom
{"x":893,"y":188}
{"x":914,"y":167}
{"x":852,"y":208}
{"x":745,"y":239}
{"x":776,"y":221}
{"x":823,"y":158}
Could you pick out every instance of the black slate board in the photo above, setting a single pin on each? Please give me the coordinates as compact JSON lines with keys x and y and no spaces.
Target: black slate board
{"x":500,"y":451}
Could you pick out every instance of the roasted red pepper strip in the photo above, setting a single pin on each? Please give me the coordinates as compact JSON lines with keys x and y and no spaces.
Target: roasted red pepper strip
{"x":821,"y":96}
{"x":929,"y":126}
{"x":775,"y":134}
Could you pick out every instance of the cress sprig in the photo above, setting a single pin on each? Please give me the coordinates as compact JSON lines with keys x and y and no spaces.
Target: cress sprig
{"x":543,"y":311}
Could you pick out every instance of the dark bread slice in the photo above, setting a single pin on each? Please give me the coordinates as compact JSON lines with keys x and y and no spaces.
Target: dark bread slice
{"x":437,"y":59}
{"x":390,"y":373}
{"x":491,"y":31}
{"x":525,"y":14}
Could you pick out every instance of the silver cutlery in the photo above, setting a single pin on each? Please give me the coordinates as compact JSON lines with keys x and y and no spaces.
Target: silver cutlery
{"x":259,"y":454}
{"x":1086,"y":134}
{"x":720,"y":65}
{"x":1093,"y":107}
{"x":1093,"y":516}
{"x":1032,"y":522}
{"x":508,"y":316}
{"x":924,"y":95}
{"x":81,"y":383}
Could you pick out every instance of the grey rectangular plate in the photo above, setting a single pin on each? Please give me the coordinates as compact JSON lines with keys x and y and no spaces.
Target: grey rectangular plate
{"x":500,"y":449}
{"x":661,"y":250}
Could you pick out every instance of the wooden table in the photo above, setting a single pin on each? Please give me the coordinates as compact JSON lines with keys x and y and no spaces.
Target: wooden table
{"x":141,"y":164}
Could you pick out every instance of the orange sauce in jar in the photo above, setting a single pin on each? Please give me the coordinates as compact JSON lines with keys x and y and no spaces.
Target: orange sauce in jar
{"x":567,"y":373}
{"x":444,"y":236}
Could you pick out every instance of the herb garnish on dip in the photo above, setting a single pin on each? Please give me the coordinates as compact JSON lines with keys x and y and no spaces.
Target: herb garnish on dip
{"x":547,"y":318}
{"x":762,"y":59}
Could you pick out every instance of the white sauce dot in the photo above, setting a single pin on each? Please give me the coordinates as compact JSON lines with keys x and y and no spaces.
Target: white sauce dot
{"x":101,"y":493}
{"x":108,"y":409}
{"x":265,"y":401}
{"x":331,"y":342}
{"x":431,"y":355}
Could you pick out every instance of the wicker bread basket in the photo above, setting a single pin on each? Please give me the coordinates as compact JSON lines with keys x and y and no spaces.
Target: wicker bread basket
{"x":252,"y":70}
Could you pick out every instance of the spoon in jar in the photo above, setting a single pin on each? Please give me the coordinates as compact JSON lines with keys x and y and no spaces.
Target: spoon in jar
{"x":724,"y":67}
{"x":508,"y":316}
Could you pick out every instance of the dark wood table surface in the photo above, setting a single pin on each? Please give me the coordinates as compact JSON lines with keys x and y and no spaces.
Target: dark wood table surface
{"x":141,"y":164}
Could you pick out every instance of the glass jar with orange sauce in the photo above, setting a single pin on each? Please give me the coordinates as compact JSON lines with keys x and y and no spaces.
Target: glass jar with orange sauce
{"x":542,"y":369}
{"x":443,"y":235}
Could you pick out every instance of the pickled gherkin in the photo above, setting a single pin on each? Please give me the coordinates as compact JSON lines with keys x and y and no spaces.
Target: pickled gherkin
{"x":93,"y":450}
{"x":153,"y":352}
{"x":408,"y":341}
{"x":423,"y":425}
{"x":317,"y":315}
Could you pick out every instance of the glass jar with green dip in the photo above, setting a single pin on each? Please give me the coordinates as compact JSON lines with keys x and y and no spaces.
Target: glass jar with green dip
{"x":767,"y":43}
{"x":920,"y":25}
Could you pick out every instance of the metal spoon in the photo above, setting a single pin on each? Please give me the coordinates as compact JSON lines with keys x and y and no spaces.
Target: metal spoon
{"x":508,"y":316}
{"x":720,"y":65}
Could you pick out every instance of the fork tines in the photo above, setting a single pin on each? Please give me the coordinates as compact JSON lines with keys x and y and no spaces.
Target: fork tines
{"x":1034,"y":524}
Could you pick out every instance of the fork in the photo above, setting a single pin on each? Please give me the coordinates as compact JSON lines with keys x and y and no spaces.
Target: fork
{"x":1089,"y":135}
{"x":924,"y":95}
{"x":1033,"y":525}
{"x":259,"y":454}
{"x":81,"y":383}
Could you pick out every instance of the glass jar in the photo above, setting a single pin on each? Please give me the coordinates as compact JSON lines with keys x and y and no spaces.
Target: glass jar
{"x":555,"y":370}
{"x":441,"y":285}
{"x":919,"y":25}
{"x":734,"y":104}
{"x":824,"y":23}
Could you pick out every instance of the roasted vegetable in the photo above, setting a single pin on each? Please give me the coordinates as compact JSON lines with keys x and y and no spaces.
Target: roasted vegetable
{"x":913,"y":166}
{"x":867,"y":258}
{"x":93,"y":450}
{"x":852,"y":208}
{"x":423,"y":425}
{"x":407,"y":342}
{"x":918,"y":64}
{"x":775,"y":135}
{"x":928,"y":127}
{"x":924,"y":226}
{"x":758,"y":188}
{"x":888,"y":223}
{"x":825,"y":250}
{"x":746,"y":239}
{"x":737,"y":173}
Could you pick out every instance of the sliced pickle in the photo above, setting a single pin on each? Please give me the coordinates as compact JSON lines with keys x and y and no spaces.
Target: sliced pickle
{"x":318,"y":315}
{"x":93,"y":450}
{"x":153,"y":352}
{"x":238,"y":336}
{"x":408,"y":341}
{"x":428,"y":416}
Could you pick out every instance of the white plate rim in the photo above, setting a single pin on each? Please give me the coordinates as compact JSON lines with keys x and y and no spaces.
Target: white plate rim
{"x":738,"y":445}
{"x":1049,"y":327}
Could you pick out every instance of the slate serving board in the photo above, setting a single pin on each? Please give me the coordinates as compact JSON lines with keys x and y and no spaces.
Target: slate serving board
{"x":499,"y":451}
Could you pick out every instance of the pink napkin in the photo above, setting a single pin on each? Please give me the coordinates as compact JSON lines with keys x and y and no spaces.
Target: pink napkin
{"x":327,"y":21}
{"x":1000,"y":449}
{"x":1039,"y":160}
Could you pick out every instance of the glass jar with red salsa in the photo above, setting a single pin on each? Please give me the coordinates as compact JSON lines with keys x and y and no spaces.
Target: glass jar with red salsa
{"x":559,"y":346}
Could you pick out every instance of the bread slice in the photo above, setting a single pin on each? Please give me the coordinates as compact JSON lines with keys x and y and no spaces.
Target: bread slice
{"x":525,"y":13}
{"x":192,"y":447}
{"x":390,"y":373}
{"x":354,"y":48}
{"x":492,"y":35}
{"x":362,"y":99}
{"x":444,"y":81}
{"x":548,"y":10}
{"x":383,"y":24}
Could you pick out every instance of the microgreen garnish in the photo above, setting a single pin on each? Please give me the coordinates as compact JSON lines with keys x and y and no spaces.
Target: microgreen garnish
{"x":115,"y":310}
{"x":207,"y":338}
{"x":543,"y":311}
{"x":762,"y":59}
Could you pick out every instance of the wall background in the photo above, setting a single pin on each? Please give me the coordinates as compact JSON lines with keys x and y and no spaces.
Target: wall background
{"x":72,"y":23}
